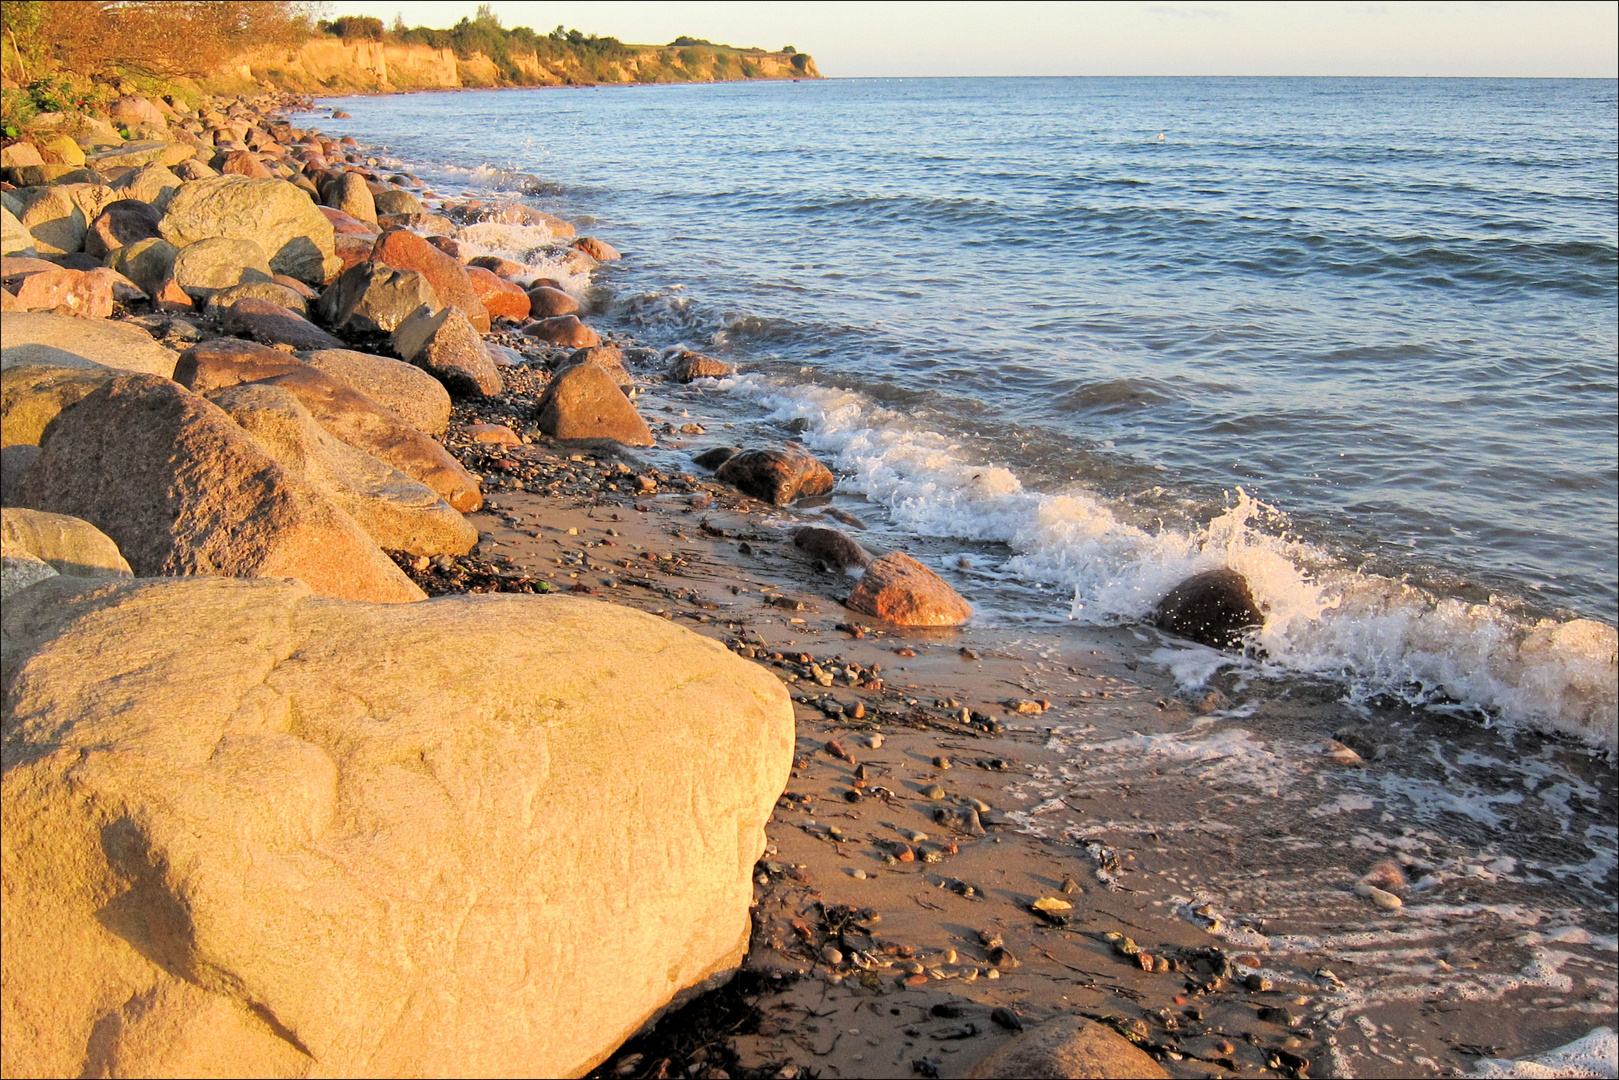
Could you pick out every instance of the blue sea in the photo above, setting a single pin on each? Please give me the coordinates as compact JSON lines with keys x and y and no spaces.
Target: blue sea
{"x":1356,"y":338}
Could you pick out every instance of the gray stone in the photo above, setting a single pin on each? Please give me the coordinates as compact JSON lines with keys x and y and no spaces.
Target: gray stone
{"x":447,"y":346}
{"x":148,"y":263}
{"x":15,"y":462}
{"x":395,"y":202}
{"x":353,"y":197}
{"x":15,"y":239}
{"x":1068,"y":1048}
{"x":272,"y":324}
{"x":152,"y":184}
{"x":371,"y":299}
{"x":274,"y":292}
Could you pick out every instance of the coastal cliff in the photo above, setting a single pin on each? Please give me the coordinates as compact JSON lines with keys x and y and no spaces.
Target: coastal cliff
{"x":334,"y":65}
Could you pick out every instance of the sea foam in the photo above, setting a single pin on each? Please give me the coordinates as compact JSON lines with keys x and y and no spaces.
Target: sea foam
{"x":1380,"y":636}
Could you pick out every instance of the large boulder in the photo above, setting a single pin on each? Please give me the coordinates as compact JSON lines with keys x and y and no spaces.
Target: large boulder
{"x":370,"y":299}
{"x":32,"y":394}
{"x":15,"y":239}
{"x":273,"y":324}
{"x":274,"y":214}
{"x":148,"y":263}
{"x":546,"y":302}
{"x":68,"y":544}
{"x":610,"y":358}
{"x":337,"y":407}
{"x":130,"y":111}
{"x":1068,"y":1047}
{"x":152,"y":184}
{"x":67,"y":292}
{"x":397,"y":512}
{"x":898,"y":589}
{"x":447,"y":346}
{"x":1214,"y":608}
{"x":394,"y":201}
{"x":405,"y":250}
{"x":273,"y":291}
{"x":776,"y":476}
{"x":250,"y":832}
{"x":219,"y":262}
{"x":404,"y":388}
{"x":500,"y":298}
{"x":351,"y":196}
{"x":183,"y":490}
{"x":55,"y":222}
{"x":583,"y":402}
{"x":564,"y":330}
{"x":120,"y":224}
{"x":65,"y":341}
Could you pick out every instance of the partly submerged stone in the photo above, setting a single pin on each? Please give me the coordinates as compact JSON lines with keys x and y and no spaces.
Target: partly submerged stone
{"x":691,"y":365}
{"x":295,"y":836}
{"x":183,"y":490}
{"x":832,"y":547}
{"x":898,"y":589}
{"x":1214,"y":608}
{"x":776,"y":476}
{"x":565,"y":330}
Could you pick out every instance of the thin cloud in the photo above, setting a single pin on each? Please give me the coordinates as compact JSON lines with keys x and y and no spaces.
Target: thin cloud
{"x":1188,"y":12}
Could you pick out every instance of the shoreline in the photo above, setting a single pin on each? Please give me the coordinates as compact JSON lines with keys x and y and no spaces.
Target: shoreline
{"x":1226,"y":835}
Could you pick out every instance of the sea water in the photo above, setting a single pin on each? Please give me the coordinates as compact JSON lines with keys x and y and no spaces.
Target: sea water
{"x":1355,"y":338}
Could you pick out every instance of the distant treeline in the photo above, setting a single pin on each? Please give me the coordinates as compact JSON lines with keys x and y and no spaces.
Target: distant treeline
{"x":484,"y":34}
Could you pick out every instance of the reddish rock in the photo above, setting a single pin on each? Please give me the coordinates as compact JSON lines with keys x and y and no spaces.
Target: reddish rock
{"x":583,"y":403}
{"x":547,"y":282}
{"x":407,"y":251}
{"x":898,"y":589}
{"x":295,"y":285}
{"x":1215,"y":608}
{"x":546,"y":302}
{"x":245,"y":163}
{"x":691,"y":365}
{"x":171,"y":297}
{"x":834,"y":548}
{"x":500,"y":298}
{"x":121,"y":223}
{"x":269,"y":322}
{"x":339,"y":408}
{"x":77,"y":292}
{"x":353,"y":250}
{"x":347,"y":225}
{"x":502,"y":268}
{"x":610,"y":358}
{"x":563,"y":330}
{"x":776,"y":476}
{"x":600,"y":250}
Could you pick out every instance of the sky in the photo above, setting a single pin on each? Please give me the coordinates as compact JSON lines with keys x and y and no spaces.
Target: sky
{"x":871,"y":39}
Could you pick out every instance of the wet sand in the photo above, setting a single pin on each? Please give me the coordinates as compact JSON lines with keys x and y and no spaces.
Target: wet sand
{"x":1224,"y":831}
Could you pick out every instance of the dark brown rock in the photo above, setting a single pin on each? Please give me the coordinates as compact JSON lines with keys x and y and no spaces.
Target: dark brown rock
{"x":1214,"y":608}
{"x":502,"y":268}
{"x":898,"y":589}
{"x":183,"y":490}
{"x":121,"y":223}
{"x":714,"y":458}
{"x":776,"y":476}
{"x":832,"y":547}
{"x":582,"y":402}
{"x":450,"y":247}
{"x":600,"y":250}
{"x":263,"y":320}
{"x":369,"y":299}
{"x":407,"y":251}
{"x":692,"y":365}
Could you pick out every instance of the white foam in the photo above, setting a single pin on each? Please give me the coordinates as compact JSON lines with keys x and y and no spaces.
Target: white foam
{"x":1596,"y":1055}
{"x":532,"y":245}
{"x":1382,"y":636}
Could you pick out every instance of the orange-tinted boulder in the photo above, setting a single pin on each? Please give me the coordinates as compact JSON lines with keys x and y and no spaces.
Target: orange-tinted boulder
{"x":898,"y":589}
{"x":245,"y":163}
{"x":503,"y":268}
{"x":407,"y":251}
{"x":583,"y":402}
{"x":546,"y":302}
{"x":500,"y":298}
{"x":776,"y":476}
{"x":600,"y":250}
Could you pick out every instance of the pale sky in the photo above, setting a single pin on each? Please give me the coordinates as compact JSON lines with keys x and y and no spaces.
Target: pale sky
{"x":1542,"y":39}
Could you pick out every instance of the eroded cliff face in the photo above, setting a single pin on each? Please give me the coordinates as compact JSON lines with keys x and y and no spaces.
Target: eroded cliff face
{"x":334,"y":66}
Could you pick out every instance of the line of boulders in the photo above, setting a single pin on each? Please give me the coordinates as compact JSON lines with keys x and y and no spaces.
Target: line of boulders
{"x":264,"y":814}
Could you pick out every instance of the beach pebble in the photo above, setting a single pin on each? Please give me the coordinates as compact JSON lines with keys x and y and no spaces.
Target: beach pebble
{"x":934,"y":792}
{"x":1381,"y":897}
{"x":1257,"y":983}
{"x":858,"y":875}
{"x":831,"y":955}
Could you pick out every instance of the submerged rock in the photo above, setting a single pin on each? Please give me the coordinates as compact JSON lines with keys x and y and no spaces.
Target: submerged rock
{"x":1213,"y":608}
{"x":284,"y":855}
{"x":776,"y":476}
{"x":690,"y":365}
